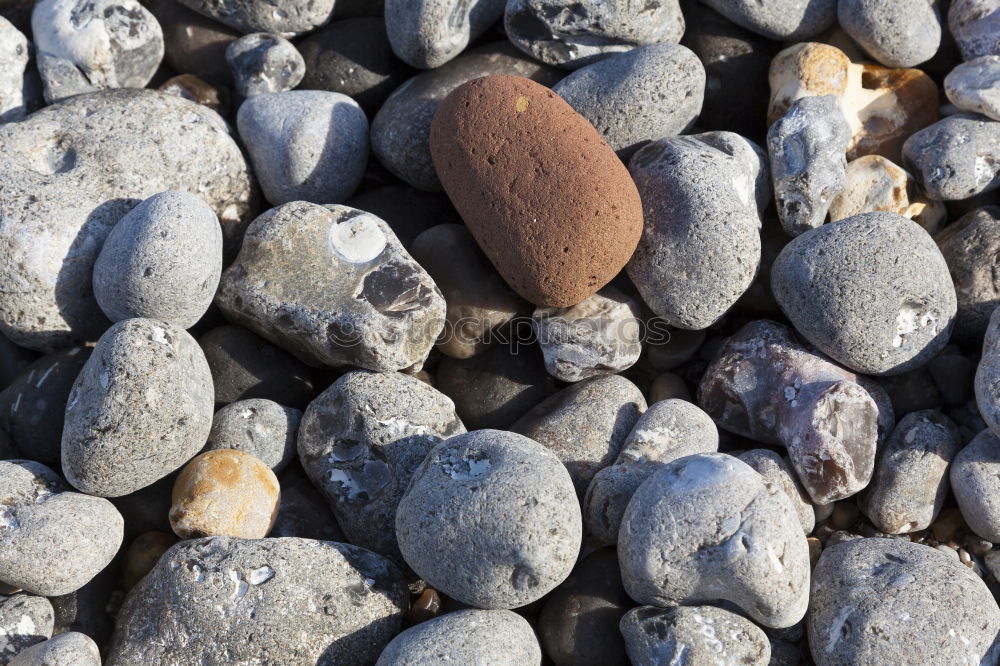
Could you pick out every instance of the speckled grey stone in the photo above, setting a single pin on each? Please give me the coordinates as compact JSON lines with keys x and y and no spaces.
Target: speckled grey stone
{"x":140,"y":408}
{"x":430,"y":33}
{"x":975,"y":25}
{"x":641,"y":95}
{"x":333,"y":285}
{"x":25,"y":620}
{"x":490,"y":519}
{"x":264,"y":63}
{"x":360,"y":442}
{"x":901,"y":33}
{"x":305,"y":145}
{"x":955,"y":158}
{"x":779,"y":471}
{"x":14,"y":56}
{"x":808,"y":148}
{"x":911,"y":475}
{"x":572,"y":34}
{"x":863,"y":589}
{"x":288,"y":601}
{"x":585,"y":424}
{"x":791,"y":20}
{"x":707,"y":527}
{"x":69,"y":649}
{"x":262,"y":428}
{"x":162,"y":260}
{"x":288,"y":18}
{"x":975,"y":480}
{"x":71,"y":171}
{"x":52,"y":540}
{"x":702,"y":197}
{"x":401,"y":130}
{"x":693,"y":635}
{"x":871,"y":291}
{"x":88,"y":45}
{"x":974,"y":86}
{"x":466,"y":637}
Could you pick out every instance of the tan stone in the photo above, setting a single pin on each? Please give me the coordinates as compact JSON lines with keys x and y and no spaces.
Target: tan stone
{"x":805,"y":70}
{"x":876,"y":184}
{"x":143,"y":554}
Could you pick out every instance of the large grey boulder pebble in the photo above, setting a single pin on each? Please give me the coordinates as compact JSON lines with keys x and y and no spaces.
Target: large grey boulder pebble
{"x":975,"y":480}
{"x":264,"y":63}
{"x":693,"y":635}
{"x":974,"y":86}
{"x":25,"y":620}
{"x":792,"y":20}
{"x":14,"y":56}
{"x":333,"y":285}
{"x":971,"y":247}
{"x":246,"y":16}
{"x":53,"y":541}
{"x":957,"y":157}
{"x":71,"y":171}
{"x":975,"y":25}
{"x":778,"y":471}
{"x":260,"y":427}
{"x":428,"y":34}
{"x":872,"y":292}
{"x":69,"y":649}
{"x":361,"y":441}
{"x":490,"y":519}
{"x":901,"y":33}
{"x":289,"y":601}
{"x":140,"y":408}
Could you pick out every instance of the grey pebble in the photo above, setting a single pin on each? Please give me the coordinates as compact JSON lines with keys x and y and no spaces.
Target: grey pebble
{"x":400,"y":131}
{"x":975,"y":480}
{"x":25,"y":620}
{"x":287,"y":18}
{"x":69,"y":649}
{"x":955,"y":158}
{"x":71,"y":171}
{"x":140,"y":408}
{"x":524,"y":508}
{"x":430,"y":33}
{"x":162,"y":260}
{"x":807,"y":147}
{"x":14,"y":56}
{"x":52,"y":540}
{"x":871,"y":291}
{"x":466,"y":637}
{"x":571,"y":34}
{"x":900,"y":33}
{"x":693,"y":635}
{"x":333,"y":285}
{"x":305,"y":145}
{"x":86,"y":609}
{"x":707,"y":527}
{"x":790,"y":20}
{"x":777,"y":470}
{"x":264,"y":63}
{"x":971,"y":247}
{"x":975,"y":25}
{"x":638,"y":96}
{"x":702,"y":198}
{"x":974,"y":86}
{"x":262,"y":428}
{"x":987,"y":380}
{"x":289,"y":601}
{"x":879,"y":601}
{"x":361,"y":441}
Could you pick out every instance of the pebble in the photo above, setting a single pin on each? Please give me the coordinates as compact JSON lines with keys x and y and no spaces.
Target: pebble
{"x":466,"y":637}
{"x":264,"y":63}
{"x":334,"y":286}
{"x":224,"y":493}
{"x":362,"y":440}
{"x":53,"y":540}
{"x":862,"y":590}
{"x":975,"y":480}
{"x":971,"y":247}
{"x":903,"y":33}
{"x":162,"y":260}
{"x":303,"y":512}
{"x":523,"y":504}
{"x":598,"y":336}
{"x":260,"y":427}
{"x":290,"y":600}
{"x":790,"y":20}
{"x":72,"y":170}
{"x":495,"y":141}
{"x":247,"y":16}
{"x":193,"y":44}
{"x":429,"y":34}
{"x":638,"y":96}
{"x":956,"y":157}
{"x":69,"y":649}
{"x":190,"y":87}
{"x":974,"y":86}
{"x":142,"y":555}
{"x":573,"y":34}
{"x":910,"y":484}
{"x":84,"y":46}
{"x":139,"y":409}
{"x":885,"y":303}
{"x":974,"y":25}
{"x":707,"y":527}
{"x":693,"y":635}
{"x":14,"y":56}
{"x":25,"y":620}
{"x":703,"y":196}
{"x":777,"y":470}
{"x":305,"y":145}
{"x":874,"y":183}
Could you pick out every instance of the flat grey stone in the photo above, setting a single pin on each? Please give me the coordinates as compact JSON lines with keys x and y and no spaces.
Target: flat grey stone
{"x":466,"y":637}
{"x":693,"y":635}
{"x":260,"y":427}
{"x":430,"y":33}
{"x":901,"y":33}
{"x":974,"y":86}
{"x":789,"y":20}
{"x":955,"y":158}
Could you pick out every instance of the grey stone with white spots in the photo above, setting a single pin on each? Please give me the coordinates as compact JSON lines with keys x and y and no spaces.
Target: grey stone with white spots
{"x":974,"y":86}
{"x":287,"y":18}
{"x":693,"y":635}
{"x":261,"y":427}
{"x":975,"y":480}
{"x":789,"y":20}
{"x":264,"y":63}
{"x":779,"y":471}
{"x":25,"y":620}
{"x":975,"y":25}
{"x":957,"y":157}
{"x":70,"y":649}
{"x":430,"y":33}
{"x":901,"y":33}
{"x":334,"y":286}
{"x":14,"y":55}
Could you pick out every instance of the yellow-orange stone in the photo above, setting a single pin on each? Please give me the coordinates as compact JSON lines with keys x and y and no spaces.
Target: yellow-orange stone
{"x":224,"y":493}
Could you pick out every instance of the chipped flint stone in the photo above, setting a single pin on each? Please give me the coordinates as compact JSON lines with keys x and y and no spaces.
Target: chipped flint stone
{"x":25,"y":619}
{"x":260,"y":427}
{"x":974,"y":86}
{"x":53,"y":541}
{"x":779,"y":471}
{"x":807,"y":148}
{"x":71,"y":171}
{"x":264,"y":63}
{"x":360,"y":442}
{"x":975,"y":480}
{"x":69,"y":649}
{"x":289,"y":17}
{"x":708,"y":527}
{"x":702,"y":199}
{"x":428,"y":34}
{"x":598,"y":336}
{"x":692,"y":635}
{"x":14,"y":56}
{"x":333,"y":285}
{"x":288,"y":601}
{"x":88,"y":45}
{"x":957,"y":157}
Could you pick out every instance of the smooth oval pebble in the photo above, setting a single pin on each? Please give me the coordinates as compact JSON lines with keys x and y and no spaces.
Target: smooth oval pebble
{"x":897,"y":33}
{"x":975,"y":480}
{"x":70,"y":649}
{"x":25,"y":620}
{"x":974,"y":86}
{"x":957,"y":157}
{"x":791,"y":20}
{"x":693,"y":635}
{"x":264,"y":63}
{"x":257,"y":426}
{"x":291,"y":16}
{"x":545,"y":196}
